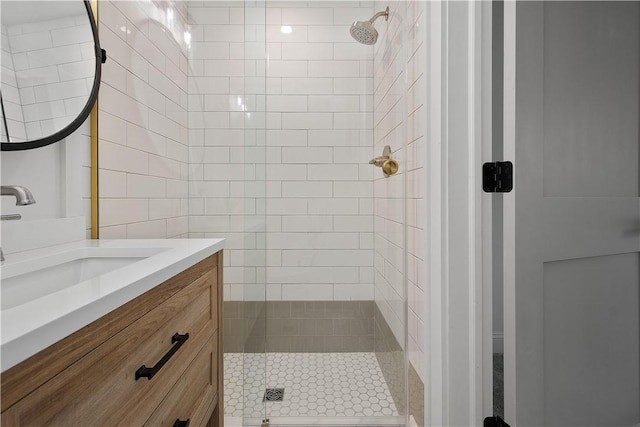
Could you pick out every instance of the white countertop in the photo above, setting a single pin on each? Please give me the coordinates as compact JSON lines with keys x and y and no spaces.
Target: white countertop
{"x":35,"y":325}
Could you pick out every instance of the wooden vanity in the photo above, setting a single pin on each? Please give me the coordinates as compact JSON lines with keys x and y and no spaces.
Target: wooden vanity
{"x":154,"y":361}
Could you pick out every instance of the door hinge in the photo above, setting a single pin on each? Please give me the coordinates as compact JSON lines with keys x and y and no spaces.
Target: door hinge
{"x":497,"y":177}
{"x":494,"y":422}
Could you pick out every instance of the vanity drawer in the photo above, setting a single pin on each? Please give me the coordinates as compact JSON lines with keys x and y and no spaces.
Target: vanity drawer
{"x":101,"y":388}
{"x":190,"y":398}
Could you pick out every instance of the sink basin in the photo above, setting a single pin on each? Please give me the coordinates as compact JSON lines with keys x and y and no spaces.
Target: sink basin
{"x":26,"y":281}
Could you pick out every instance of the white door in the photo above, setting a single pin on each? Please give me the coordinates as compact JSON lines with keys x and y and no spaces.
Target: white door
{"x":572,"y":223}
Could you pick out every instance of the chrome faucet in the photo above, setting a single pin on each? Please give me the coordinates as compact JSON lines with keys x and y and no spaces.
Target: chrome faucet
{"x":23,"y":198}
{"x":22,"y":194}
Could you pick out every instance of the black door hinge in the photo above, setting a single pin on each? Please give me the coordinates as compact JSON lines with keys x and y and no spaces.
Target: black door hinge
{"x":494,"y":422}
{"x":497,"y":177}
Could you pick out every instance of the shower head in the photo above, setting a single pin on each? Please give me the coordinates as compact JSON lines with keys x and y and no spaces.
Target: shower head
{"x":364,"y":32}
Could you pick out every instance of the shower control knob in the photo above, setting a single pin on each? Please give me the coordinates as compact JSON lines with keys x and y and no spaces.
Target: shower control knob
{"x":389,"y":166}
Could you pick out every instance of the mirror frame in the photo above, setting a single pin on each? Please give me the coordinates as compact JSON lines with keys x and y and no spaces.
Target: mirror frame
{"x":93,"y":96}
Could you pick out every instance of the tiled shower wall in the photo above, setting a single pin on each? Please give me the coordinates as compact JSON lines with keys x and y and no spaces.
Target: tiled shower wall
{"x":143,"y":179}
{"x":298,"y":182}
{"x":298,"y":326}
{"x":416,"y":184}
{"x":416,"y":206}
{"x":399,"y":113}
{"x":221,"y":202}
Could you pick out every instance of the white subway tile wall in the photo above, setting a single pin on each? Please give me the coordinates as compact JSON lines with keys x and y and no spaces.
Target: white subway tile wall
{"x":144,"y":126}
{"x":416,"y":185}
{"x":398,"y":96}
{"x":298,"y":183}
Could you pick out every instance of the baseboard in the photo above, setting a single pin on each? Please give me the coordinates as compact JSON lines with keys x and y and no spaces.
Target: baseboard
{"x":498,"y":342}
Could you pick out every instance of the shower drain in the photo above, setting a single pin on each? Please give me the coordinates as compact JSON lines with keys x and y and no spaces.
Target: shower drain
{"x":273,"y":395}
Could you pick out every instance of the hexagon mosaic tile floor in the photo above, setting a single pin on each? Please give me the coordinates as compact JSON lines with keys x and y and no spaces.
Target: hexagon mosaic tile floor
{"x":316,"y":384}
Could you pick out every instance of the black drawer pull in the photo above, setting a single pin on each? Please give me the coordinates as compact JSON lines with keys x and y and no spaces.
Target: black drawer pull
{"x":179,"y":423}
{"x":149,"y":373}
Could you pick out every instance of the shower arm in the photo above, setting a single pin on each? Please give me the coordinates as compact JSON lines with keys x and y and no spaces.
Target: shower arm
{"x":384,"y":13}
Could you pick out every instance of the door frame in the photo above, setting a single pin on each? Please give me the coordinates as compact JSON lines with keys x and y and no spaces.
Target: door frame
{"x":459,"y":386}
{"x":509,"y":208}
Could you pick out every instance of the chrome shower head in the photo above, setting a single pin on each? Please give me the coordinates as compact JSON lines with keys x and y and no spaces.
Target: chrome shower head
{"x":364,"y":32}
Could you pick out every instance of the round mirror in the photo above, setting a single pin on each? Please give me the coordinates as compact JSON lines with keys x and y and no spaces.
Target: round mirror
{"x":51,"y":61}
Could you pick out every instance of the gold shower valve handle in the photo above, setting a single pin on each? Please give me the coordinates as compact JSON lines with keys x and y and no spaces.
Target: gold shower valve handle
{"x":389,"y":166}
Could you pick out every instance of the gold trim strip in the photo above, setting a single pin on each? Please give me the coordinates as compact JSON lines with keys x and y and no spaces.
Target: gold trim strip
{"x":95,"y":199}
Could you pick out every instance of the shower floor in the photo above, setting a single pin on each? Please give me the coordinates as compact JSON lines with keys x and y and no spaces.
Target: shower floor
{"x":316,"y":385}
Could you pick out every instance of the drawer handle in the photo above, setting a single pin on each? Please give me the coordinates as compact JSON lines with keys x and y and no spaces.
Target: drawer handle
{"x":179,"y":423}
{"x":149,"y":373}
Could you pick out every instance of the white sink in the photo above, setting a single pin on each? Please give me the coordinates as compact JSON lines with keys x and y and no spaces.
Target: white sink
{"x":26,"y":281}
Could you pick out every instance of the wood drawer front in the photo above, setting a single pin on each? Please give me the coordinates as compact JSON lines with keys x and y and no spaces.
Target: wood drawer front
{"x":100,"y":389}
{"x":192,"y":396}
